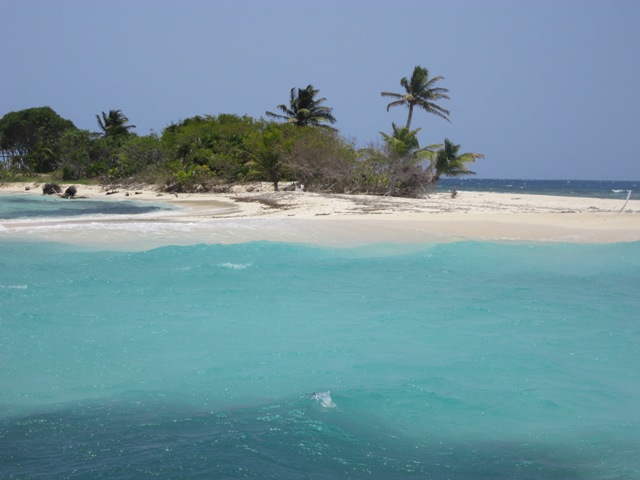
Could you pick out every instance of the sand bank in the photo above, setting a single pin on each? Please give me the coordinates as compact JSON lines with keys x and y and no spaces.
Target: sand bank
{"x":257,"y":212}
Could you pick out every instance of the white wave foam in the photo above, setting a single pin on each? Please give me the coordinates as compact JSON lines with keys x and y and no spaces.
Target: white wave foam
{"x":235,"y":266}
{"x":324,"y":398}
{"x":15,"y":287}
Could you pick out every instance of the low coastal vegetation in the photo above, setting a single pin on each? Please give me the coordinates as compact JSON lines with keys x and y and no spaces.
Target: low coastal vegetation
{"x":213,"y":152}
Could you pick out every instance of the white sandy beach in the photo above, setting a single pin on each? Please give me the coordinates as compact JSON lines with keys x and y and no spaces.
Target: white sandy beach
{"x":257,"y":212}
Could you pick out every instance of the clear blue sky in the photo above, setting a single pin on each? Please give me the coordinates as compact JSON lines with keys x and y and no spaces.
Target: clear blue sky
{"x":546,"y":89}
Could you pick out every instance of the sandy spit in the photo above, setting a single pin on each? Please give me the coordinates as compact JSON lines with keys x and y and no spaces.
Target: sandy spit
{"x":255,"y":212}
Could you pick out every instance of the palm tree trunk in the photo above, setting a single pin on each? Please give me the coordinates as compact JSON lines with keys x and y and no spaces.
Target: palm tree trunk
{"x":410,"y":116}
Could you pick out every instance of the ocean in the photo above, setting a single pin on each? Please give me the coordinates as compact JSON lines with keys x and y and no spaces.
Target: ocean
{"x":571,"y":188}
{"x":273,"y":360}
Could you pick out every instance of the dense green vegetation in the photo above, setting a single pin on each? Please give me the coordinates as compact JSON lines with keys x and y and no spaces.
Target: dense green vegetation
{"x":211,"y":153}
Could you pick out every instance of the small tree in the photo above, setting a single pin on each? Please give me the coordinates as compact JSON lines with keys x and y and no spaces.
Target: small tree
{"x":267,"y":149}
{"x":449,"y":163}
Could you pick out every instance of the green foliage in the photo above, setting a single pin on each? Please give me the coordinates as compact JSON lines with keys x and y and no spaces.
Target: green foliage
{"x":82,"y":155}
{"x":215,"y":142}
{"x":304,"y":109}
{"x":265,"y":150}
{"x":29,"y":139}
{"x":138,"y":159}
{"x":205,"y":153}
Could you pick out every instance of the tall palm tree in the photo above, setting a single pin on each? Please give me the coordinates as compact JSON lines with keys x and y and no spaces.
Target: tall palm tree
{"x":420,"y":92}
{"x":304,"y":109}
{"x":114,"y":123}
{"x":450,"y":163}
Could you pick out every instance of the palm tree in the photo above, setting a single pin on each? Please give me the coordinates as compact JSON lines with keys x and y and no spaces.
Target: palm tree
{"x":114,"y":124}
{"x":421,"y":92}
{"x":266,"y":159}
{"x":404,"y":143}
{"x":448,"y":162}
{"x":304,"y":109}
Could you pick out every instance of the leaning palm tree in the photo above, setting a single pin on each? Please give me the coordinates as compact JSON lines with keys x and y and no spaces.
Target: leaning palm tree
{"x":420,"y":92}
{"x":114,"y":123}
{"x":448,"y":162}
{"x":304,"y":109}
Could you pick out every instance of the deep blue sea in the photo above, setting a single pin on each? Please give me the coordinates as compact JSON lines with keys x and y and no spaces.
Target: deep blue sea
{"x":268,"y":360}
{"x":572,"y":188}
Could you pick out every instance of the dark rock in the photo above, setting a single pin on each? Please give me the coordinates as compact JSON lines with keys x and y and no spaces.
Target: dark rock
{"x":51,"y":188}
{"x":70,"y":192}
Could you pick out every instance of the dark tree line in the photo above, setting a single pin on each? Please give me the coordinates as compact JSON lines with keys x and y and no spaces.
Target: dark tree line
{"x":210,"y":153}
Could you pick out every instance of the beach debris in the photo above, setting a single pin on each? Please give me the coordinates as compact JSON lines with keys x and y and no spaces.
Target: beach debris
{"x":292,"y":187}
{"x":454,"y":192}
{"x":70,"y":192}
{"x":627,"y":201}
{"x":51,"y":188}
{"x":264,"y":200}
{"x":112,"y":192}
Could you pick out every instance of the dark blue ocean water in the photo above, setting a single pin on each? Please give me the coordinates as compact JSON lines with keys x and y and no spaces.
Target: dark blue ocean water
{"x":267,"y":360}
{"x":575,"y":188}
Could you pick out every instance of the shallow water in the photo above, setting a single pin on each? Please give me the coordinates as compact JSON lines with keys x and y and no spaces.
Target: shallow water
{"x":271,"y":360}
{"x":47,"y":207}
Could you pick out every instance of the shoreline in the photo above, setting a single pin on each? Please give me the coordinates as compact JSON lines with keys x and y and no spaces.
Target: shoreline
{"x":255,"y":212}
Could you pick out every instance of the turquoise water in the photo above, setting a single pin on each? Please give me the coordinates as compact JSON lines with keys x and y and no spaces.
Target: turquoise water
{"x":268,"y":360}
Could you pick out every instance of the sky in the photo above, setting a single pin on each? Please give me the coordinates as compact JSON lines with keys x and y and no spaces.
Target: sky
{"x":545,"y":89}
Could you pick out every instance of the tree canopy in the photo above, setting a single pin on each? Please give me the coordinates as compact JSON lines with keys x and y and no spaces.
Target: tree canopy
{"x":29,"y":138}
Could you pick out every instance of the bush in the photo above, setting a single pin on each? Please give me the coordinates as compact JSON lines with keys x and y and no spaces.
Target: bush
{"x":322,"y":161}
